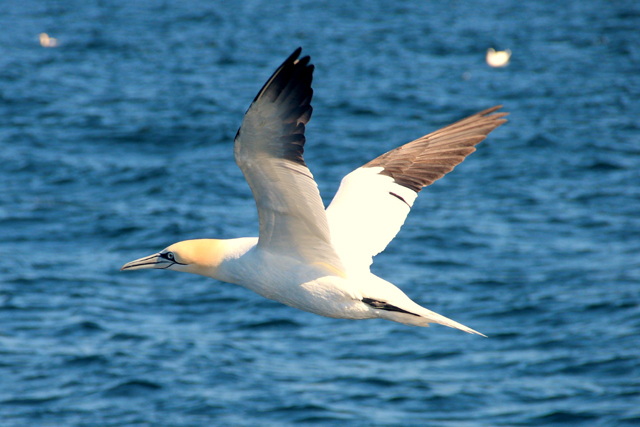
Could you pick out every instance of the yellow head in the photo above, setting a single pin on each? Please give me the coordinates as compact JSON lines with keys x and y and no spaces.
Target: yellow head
{"x":201,"y":256}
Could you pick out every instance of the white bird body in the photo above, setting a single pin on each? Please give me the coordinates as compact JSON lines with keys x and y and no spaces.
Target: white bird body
{"x":308,"y":258}
{"x":498,"y":58}
{"x":313,"y":288}
{"x":285,"y":279}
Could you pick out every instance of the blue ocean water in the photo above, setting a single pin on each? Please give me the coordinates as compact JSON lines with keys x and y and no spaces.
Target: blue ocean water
{"x":118,"y":142}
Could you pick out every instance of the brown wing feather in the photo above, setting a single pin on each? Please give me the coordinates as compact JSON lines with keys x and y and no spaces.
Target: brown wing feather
{"x":425,"y":160}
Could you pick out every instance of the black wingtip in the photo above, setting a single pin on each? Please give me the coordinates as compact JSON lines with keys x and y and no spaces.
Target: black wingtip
{"x":289,"y":90}
{"x":292,"y":59}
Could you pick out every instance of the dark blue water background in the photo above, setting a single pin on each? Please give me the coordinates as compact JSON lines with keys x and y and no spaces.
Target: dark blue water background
{"x":118,"y":142}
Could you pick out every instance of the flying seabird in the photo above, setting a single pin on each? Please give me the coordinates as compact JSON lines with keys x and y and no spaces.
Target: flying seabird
{"x":307,"y":257}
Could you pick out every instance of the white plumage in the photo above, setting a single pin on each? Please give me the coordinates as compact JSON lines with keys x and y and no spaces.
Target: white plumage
{"x":306,"y":257}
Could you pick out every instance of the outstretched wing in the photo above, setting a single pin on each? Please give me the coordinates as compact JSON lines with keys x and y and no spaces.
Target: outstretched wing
{"x":373,"y":201}
{"x":268,"y":149}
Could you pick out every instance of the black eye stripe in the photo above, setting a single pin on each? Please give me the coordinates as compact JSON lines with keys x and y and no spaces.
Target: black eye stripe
{"x":171,"y":258}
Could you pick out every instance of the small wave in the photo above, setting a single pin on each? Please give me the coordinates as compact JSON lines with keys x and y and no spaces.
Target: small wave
{"x":311,"y":414}
{"x":602,"y":166}
{"x":442,"y":263}
{"x":123,"y":336}
{"x":84,"y":327}
{"x":526,"y":310}
{"x":132,"y":388}
{"x":614,"y":366}
{"x":378,"y":382}
{"x":540,"y":141}
{"x":205,"y":409}
{"x":440,"y":355}
{"x":300,"y":409}
{"x":321,"y":419}
{"x":94,"y":359}
{"x":273,"y":324}
{"x":488,"y":283}
{"x":31,"y":400}
{"x":563,"y":417}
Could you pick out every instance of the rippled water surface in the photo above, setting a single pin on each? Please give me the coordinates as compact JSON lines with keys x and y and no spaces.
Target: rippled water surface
{"x":118,"y":142}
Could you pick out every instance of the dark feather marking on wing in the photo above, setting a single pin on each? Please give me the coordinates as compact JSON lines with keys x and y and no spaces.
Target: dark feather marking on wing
{"x":425,"y":160}
{"x":401,"y":198}
{"x":290,"y":89}
{"x":381,"y":305}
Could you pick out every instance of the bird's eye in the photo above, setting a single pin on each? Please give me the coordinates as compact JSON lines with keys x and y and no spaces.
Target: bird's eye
{"x":170,"y":256}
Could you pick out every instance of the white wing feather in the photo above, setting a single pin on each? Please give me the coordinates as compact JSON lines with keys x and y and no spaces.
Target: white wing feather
{"x":268,"y":149}
{"x":365,"y":215}
{"x":373,"y":201}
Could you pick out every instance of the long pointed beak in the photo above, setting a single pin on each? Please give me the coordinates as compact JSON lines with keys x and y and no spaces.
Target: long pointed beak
{"x":151,"y":261}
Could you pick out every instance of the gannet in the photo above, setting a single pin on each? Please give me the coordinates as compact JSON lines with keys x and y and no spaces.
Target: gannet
{"x":307,"y":257}
{"x":498,"y":58}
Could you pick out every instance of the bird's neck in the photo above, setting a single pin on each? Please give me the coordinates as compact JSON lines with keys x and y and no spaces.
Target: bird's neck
{"x":212,"y":257}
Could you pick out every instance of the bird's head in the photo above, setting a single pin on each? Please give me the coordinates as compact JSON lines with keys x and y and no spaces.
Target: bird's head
{"x":201,"y":256}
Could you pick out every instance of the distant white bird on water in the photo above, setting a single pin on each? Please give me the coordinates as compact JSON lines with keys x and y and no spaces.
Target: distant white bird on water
{"x":306,"y":257}
{"x":498,"y":58}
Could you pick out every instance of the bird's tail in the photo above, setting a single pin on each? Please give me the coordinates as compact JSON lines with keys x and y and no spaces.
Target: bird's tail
{"x":423,"y":317}
{"x":389,"y":302}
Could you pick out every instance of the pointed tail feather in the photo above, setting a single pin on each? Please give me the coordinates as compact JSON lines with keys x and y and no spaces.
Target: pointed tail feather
{"x":423,"y":317}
